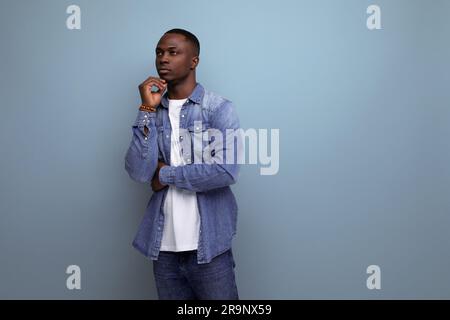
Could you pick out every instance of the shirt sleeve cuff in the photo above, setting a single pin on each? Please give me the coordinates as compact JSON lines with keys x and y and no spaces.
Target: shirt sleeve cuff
{"x":143,"y":119}
{"x":167,"y":175}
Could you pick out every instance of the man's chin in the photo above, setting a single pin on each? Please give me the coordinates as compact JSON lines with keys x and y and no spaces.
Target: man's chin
{"x":165,"y":77}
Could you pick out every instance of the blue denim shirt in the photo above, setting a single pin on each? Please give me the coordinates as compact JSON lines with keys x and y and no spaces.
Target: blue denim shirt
{"x":202,"y":112}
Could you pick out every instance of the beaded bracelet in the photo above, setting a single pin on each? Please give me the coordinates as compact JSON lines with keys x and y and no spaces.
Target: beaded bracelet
{"x":143,"y":107}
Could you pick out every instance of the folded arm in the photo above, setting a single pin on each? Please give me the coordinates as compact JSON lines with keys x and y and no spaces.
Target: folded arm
{"x":218,"y":172}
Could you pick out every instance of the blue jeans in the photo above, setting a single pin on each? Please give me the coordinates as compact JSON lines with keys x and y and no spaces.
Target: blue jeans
{"x":178,"y":276}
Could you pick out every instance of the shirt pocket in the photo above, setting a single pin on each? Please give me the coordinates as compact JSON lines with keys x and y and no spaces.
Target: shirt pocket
{"x":197,"y":142}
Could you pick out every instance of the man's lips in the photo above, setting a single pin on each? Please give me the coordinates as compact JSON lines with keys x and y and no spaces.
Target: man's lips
{"x":164,"y":70}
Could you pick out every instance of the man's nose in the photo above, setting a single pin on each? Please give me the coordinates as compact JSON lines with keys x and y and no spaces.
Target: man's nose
{"x":164,"y":58}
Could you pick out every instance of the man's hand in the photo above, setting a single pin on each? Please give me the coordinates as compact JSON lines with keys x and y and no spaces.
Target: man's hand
{"x":148,"y":97}
{"x":156,"y":184}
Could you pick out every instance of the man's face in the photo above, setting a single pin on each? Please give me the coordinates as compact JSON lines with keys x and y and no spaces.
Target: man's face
{"x":174,"y":57}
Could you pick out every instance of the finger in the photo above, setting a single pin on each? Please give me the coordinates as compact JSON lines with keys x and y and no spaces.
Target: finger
{"x":154,"y":80}
{"x":150,"y":83}
{"x":159,"y":85}
{"x":163,"y":87}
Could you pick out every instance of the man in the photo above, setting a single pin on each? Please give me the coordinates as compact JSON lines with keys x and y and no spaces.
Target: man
{"x":191,"y":218}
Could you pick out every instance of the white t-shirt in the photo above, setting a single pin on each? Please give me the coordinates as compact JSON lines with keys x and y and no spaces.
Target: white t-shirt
{"x":181,"y":216}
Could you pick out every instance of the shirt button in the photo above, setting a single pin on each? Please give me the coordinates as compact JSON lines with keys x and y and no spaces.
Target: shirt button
{"x":167,"y":136}
{"x":145,"y":138}
{"x":181,"y":138}
{"x":145,"y":116}
{"x":182,"y":115}
{"x":159,"y":228}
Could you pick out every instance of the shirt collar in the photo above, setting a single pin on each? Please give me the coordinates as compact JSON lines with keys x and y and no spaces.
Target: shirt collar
{"x":196,"y":96}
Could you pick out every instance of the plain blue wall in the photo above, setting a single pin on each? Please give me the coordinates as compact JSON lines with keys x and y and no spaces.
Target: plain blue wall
{"x":364,"y":152}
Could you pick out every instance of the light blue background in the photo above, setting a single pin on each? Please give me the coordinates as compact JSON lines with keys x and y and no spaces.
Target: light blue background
{"x":364,"y":152}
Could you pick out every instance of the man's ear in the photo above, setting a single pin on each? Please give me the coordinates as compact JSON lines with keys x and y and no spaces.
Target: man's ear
{"x":195,"y":62}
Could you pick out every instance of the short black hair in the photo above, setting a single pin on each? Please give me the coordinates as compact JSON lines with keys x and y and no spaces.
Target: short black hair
{"x":190,"y":37}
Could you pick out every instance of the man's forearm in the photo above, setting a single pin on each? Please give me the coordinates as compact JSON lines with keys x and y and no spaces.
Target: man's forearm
{"x":141,"y":159}
{"x":199,"y":177}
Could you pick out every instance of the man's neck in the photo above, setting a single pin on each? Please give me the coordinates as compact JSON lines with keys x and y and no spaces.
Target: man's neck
{"x":182,"y":89}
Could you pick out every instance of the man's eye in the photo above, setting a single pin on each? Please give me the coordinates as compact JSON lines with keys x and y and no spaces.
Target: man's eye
{"x":173,"y":52}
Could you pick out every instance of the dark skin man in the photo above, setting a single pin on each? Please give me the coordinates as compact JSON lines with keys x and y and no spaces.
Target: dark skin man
{"x":175,"y":62}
